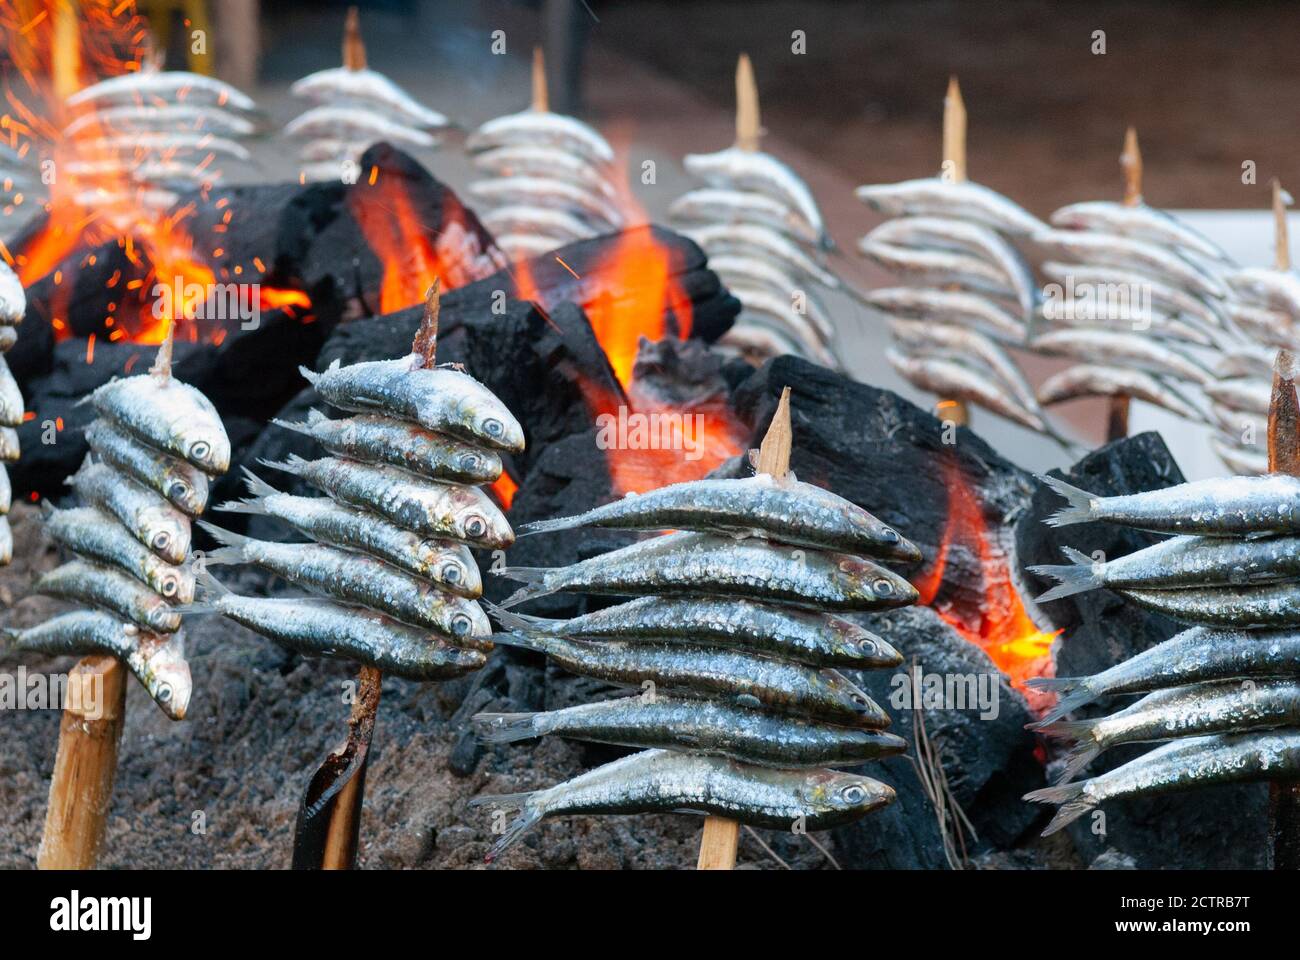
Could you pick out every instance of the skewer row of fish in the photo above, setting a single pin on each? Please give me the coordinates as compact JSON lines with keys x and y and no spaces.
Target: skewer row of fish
{"x":735,"y":640}
{"x":765,"y":238}
{"x":392,"y":582}
{"x":544,"y":180}
{"x":968,"y":292}
{"x":1223,"y":696}
{"x":153,"y":449}
{"x":354,"y":107}
{"x":13,"y":307}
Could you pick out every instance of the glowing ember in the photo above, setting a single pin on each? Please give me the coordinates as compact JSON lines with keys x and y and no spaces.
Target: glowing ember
{"x":1001,"y":626}
{"x":504,"y":488}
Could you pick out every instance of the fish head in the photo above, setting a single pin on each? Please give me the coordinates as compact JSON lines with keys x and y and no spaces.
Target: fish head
{"x":189,"y":495}
{"x":863,"y":646}
{"x":467,"y":620}
{"x":874,"y":584}
{"x":478,"y":466}
{"x":209,"y":450}
{"x":450,"y":564}
{"x":482,"y":417}
{"x":879,"y":537}
{"x":849,"y":694}
{"x":167,"y":673}
{"x":844,"y":796}
{"x":168,"y":534}
{"x":882,"y":197}
{"x":173,"y":584}
{"x":478,"y":521}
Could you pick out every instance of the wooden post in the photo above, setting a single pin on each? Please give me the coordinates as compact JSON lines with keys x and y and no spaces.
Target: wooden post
{"x":721,"y":835}
{"x":1284,"y":457}
{"x":354,"y":48}
{"x":1281,"y":240}
{"x":749,"y":125}
{"x":85,"y":765}
{"x":1130,"y":164}
{"x":541,"y":98}
{"x":953,"y":170}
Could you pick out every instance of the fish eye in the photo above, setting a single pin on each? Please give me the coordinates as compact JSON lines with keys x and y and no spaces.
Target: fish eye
{"x":493,"y":427}
{"x":200,"y":449}
{"x":164,"y":692}
{"x":451,"y":573}
{"x":470,"y":461}
{"x":460,"y":625}
{"x":889,"y":535}
{"x":882,"y":587}
{"x":859,"y":699}
{"x":161,"y":539}
{"x":867,"y":648}
{"x":475,"y":526}
{"x":170,"y":586}
{"x":178,"y":490}
{"x":853,"y":793}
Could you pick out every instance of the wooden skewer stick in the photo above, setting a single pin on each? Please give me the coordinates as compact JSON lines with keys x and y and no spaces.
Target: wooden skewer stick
{"x":721,"y":835}
{"x":85,"y":765}
{"x":1282,"y":240}
{"x":953,"y":170}
{"x":354,"y":48}
{"x":541,"y":98}
{"x":1284,"y":457}
{"x":749,"y":124}
{"x":1130,"y":163}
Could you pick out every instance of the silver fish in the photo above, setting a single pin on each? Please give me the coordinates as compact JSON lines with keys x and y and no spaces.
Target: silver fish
{"x":817,"y":639}
{"x":357,"y":124}
{"x":1233,"y":706}
{"x":552,"y":163}
{"x":1199,"y":761}
{"x":1263,"y":605}
{"x":92,"y":583}
{"x":961,"y":236}
{"x":949,"y":306}
{"x":6,"y":492}
{"x":558,"y":226}
{"x":695,"y":564}
{"x":160,"y":119}
{"x":1111,"y":251}
{"x":960,"y":343}
{"x":940,"y":267}
{"x":698,"y":726}
{"x":8,"y":338}
{"x":377,"y":439}
{"x":149,"y":518}
{"x":1238,"y":459}
{"x":9,"y":448}
{"x":442,"y":510}
{"x":745,"y":270}
{"x":1272,"y":327}
{"x":169,"y":416}
{"x":444,"y":562}
{"x":776,"y":312}
{"x":369,"y":87}
{"x":958,"y":382}
{"x":961,"y":200}
{"x":357,"y":578}
{"x":662,"y":781}
{"x":11,"y":398}
{"x":97,"y":536}
{"x":6,"y":542}
{"x":762,"y":173}
{"x":554,"y":194}
{"x":756,"y":239}
{"x":1139,"y":222}
{"x":720,"y":205}
{"x":1178,"y":562}
{"x":1218,"y":507}
{"x":1197,"y":655}
{"x":169,"y":84}
{"x":1131,"y":291}
{"x":783,"y":509}
{"x":168,"y":145}
{"x":1122,"y":349}
{"x":1264,"y":287}
{"x":1248,"y":395}
{"x":759,"y":338}
{"x":157,"y":661}
{"x":13,"y":299}
{"x":521,"y":246}
{"x":1094,"y":380}
{"x":185,"y":486}
{"x":442,"y":399}
{"x":319,"y":628}
{"x":541,"y":128}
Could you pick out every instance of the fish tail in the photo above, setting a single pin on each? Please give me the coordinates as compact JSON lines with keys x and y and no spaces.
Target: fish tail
{"x":1080,"y":575}
{"x":292,"y":425}
{"x":529,"y":814}
{"x":1080,"y":755}
{"x":533,"y":579}
{"x":232,"y":549}
{"x":292,"y":464}
{"x":311,"y":376}
{"x":314,"y":417}
{"x":1078,"y":508}
{"x":516,"y":622}
{"x":1074,"y":692}
{"x":548,"y":526}
{"x":209,"y":587}
{"x":505,"y":727}
{"x":523,"y":641}
{"x":1073,"y":803}
{"x":250,"y":505}
{"x":47,"y":509}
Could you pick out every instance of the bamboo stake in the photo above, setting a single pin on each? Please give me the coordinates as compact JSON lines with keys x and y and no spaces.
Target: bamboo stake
{"x":954,"y":171}
{"x":749,"y":124}
{"x":1130,"y":163}
{"x":541,"y":98}
{"x":721,"y":835}
{"x":1282,"y":241}
{"x":85,"y":765}
{"x":354,"y":48}
{"x":1284,"y":457}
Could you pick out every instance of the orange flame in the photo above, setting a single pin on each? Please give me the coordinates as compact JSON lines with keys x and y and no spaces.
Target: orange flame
{"x":1001,"y":626}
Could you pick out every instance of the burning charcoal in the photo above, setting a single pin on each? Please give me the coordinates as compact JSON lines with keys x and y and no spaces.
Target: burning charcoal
{"x":131,"y":537}
{"x":356,"y":107}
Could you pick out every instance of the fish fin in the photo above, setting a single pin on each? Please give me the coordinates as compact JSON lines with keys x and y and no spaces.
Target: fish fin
{"x":1073,"y":803}
{"x":1078,"y":508}
{"x":251,"y":505}
{"x":232,"y":550}
{"x":504,"y":727}
{"x":47,"y":509}
{"x":311,"y":376}
{"x":528,"y":817}
{"x":291,"y":425}
{"x":209,"y":587}
{"x":515,"y":622}
{"x":532,"y":577}
{"x":521,"y":640}
{"x":549,"y":526}
{"x":1079,"y":576}
{"x":256,"y":485}
{"x":292,"y":464}
{"x":1080,"y":755}
{"x":1075,"y":692}
{"x":195,"y":609}
{"x":314,"y":417}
